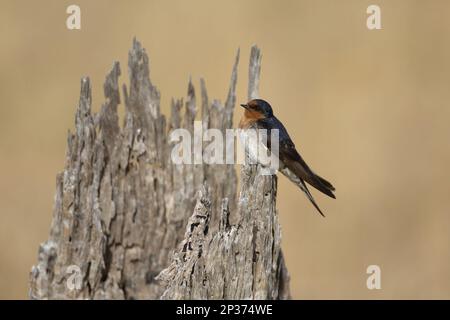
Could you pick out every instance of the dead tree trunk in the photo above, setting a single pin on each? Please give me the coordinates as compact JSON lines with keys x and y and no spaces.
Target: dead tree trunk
{"x":122,"y":212}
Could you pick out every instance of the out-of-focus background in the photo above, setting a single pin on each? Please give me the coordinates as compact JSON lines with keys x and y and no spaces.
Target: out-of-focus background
{"x":368,"y":110}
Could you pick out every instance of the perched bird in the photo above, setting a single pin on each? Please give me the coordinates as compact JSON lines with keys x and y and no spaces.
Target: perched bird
{"x":259,"y":115}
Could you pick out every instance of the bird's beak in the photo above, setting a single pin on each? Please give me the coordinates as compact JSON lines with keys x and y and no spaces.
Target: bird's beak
{"x":244,"y":106}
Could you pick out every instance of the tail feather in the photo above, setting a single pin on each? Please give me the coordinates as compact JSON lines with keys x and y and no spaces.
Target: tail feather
{"x":314,"y":180}
{"x":310,"y":197}
{"x":325,"y":182}
{"x":301,"y":184}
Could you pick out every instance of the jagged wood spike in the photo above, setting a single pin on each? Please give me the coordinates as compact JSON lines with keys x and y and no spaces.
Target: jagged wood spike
{"x":205,"y":104}
{"x":254,"y":72}
{"x":231,"y":97}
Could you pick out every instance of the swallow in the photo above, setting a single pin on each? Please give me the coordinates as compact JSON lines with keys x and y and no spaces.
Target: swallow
{"x":258,"y":114}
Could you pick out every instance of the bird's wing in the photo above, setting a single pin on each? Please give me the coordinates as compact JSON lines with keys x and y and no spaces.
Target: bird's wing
{"x":289,"y":156}
{"x":292,"y":159}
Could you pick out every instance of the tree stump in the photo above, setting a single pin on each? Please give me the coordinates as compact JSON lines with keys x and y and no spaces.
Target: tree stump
{"x":128,"y":223}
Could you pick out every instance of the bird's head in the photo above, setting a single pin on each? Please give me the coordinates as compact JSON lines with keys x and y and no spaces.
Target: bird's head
{"x":258,"y":108}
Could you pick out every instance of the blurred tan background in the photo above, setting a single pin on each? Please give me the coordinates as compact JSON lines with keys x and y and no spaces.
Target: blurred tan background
{"x":368,"y":110}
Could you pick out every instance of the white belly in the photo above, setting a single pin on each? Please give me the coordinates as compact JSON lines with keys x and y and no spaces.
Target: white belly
{"x":256,"y":151}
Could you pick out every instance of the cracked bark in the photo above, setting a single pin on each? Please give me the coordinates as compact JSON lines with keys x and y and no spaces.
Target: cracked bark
{"x":123,"y":210}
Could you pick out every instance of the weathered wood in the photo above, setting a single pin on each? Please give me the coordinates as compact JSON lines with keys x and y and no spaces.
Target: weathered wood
{"x":122,"y":208}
